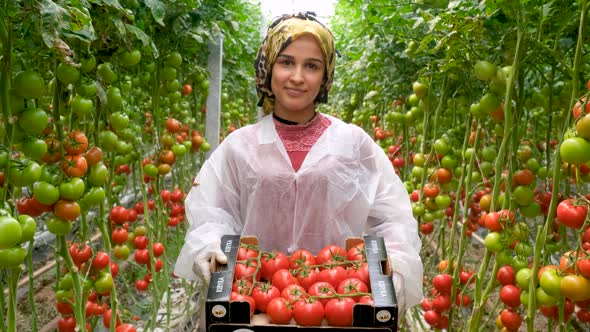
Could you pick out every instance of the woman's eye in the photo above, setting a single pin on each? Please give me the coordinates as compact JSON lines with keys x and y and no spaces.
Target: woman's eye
{"x":286,"y":62}
{"x":312,"y":66}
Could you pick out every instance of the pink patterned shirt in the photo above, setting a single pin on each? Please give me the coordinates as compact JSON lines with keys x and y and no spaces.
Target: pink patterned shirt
{"x":299,"y":138}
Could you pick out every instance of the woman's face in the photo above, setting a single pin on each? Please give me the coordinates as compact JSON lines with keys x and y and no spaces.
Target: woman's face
{"x":297,"y":76}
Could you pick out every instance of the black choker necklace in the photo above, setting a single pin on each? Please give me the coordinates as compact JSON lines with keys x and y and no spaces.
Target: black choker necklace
{"x":289,"y":122}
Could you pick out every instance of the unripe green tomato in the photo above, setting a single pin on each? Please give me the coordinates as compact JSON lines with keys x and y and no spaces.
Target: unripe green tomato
{"x":493,"y":242}
{"x":28,"y":227}
{"x":12,"y":257}
{"x":523,"y":277}
{"x":10,"y":232}
{"x":67,"y":74}
{"x":88,"y":64}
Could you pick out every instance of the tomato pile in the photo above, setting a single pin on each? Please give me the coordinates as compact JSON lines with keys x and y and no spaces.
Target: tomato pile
{"x":303,"y":289}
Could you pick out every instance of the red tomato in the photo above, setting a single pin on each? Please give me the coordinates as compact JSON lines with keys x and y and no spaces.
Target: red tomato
{"x":142,"y":256}
{"x":584,"y":267}
{"x":302,"y":257}
{"x":339,"y":311}
{"x":140,"y":242}
{"x":356,"y":253}
{"x":119,"y":215}
{"x":510,"y":296}
{"x":119,"y":235}
{"x":331,"y":254}
{"x":64,"y":308}
{"x":125,"y":328}
{"x":322,"y":288}
{"x":80,"y":253}
{"x":76,"y":143}
{"x":283,"y":278}
{"x":333,"y":275}
{"x":278,"y":311}
{"x":141,"y":285}
{"x":272,"y":262}
{"x":506,"y":275}
{"x":246,"y":252}
{"x":442,"y":302}
{"x":361,"y":273}
{"x":432,"y":317}
{"x":106,"y":318}
{"x":352,"y":286}
{"x":293,"y":293}
{"x":510,"y":319}
{"x":101,"y":260}
{"x":571,"y":215}
{"x":241,"y":286}
{"x":263,"y":293}
{"x":246,"y":270}
{"x":366,"y":299}
{"x":236,"y":297}
{"x":308,"y":312}
{"x":306,"y":277}
{"x":66,"y":324}
{"x":74,"y":166}
{"x":443,"y":283}
{"x":158,"y":249}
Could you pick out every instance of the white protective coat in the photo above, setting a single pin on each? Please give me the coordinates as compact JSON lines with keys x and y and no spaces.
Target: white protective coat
{"x":345,"y":187}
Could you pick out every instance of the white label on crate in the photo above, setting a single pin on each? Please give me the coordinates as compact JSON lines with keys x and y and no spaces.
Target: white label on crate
{"x":218,"y":311}
{"x":243,"y":330}
{"x":383,"y":316}
{"x":228,"y":246}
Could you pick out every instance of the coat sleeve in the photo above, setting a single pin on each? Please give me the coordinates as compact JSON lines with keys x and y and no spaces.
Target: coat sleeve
{"x":211,"y":206}
{"x":391,"y":217}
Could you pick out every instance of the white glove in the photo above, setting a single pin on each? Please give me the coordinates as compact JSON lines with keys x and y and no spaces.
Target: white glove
{"x":206,"y":257}
{"x":400,"y":292}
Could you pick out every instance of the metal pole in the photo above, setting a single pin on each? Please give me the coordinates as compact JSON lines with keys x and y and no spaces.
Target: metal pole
{"x":213,"y":116}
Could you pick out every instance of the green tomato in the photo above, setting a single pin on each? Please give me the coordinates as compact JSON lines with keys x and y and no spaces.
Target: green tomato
{"x":10,"y":232}
{"x":108,"y":140}
{"x":94,"y":197}
{"x":488,"y":153}
{"x":442,"y":201}
{"x":67,"y":74}
{"x":64,"y":295}
{"x":130,"y":58}
{"x":28,"y":227}
{"x":34,"y":148}
{"x":523,"y":195}
{"x":174,"y":59}
{"x":545,"y":299}
{"x":550,"y":282}
{"x":523,"y":277}
{"x":81,"y":106}
{"x":12,"y":257}
{"x":88,"y":90}
{"x":88,"y":64}
{"x":104,"y":283}
{"x":484,"y":70}
{"x":67,"y":282}
{"x":524,"y":249}
{"x":72,"y":190}
{"x":29,"y":84}
{"x":98,"y":175}
{"x":519,"y":262}
{"x":575,"y":150}
{"x":58,"y":226}
{"x":119,"y":121}
{"x":493,"y":242}
{"x":114,"y":98}
{"x":179,"y":150}
{"x":150,"y":170}
{"x":167,"y":73}
{"x":24,"y":175}
{"x":45,"y":192}
{"x":106,"y":73}
{"x":531,"y":211}
{"x":33,"y":120}
{"x":441,"y":146}
{"x":504,"y":257}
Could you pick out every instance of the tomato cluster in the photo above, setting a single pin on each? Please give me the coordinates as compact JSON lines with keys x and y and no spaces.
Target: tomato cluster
{"x":303,"y":288}
{"x":444,"y":288}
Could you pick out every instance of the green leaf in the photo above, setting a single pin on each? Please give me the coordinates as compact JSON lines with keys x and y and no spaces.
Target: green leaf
{"x":143,"y":37}
{"x":120,"y":26}
{"x":158,"y":10}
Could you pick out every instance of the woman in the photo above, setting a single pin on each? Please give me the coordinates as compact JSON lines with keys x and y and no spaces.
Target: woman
{"x":298,"y":178}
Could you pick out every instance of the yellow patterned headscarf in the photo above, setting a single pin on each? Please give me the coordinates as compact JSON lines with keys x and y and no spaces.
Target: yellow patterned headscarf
{"x":280,"y":34}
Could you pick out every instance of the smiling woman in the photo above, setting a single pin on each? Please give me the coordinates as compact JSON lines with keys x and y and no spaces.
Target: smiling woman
{"x":300,"y":179}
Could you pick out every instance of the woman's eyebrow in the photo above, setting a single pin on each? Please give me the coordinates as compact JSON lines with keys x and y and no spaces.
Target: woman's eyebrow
{"x":290,"y":57}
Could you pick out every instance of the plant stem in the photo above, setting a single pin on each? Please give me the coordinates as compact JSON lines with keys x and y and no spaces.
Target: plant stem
{"x":32,"y":285}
